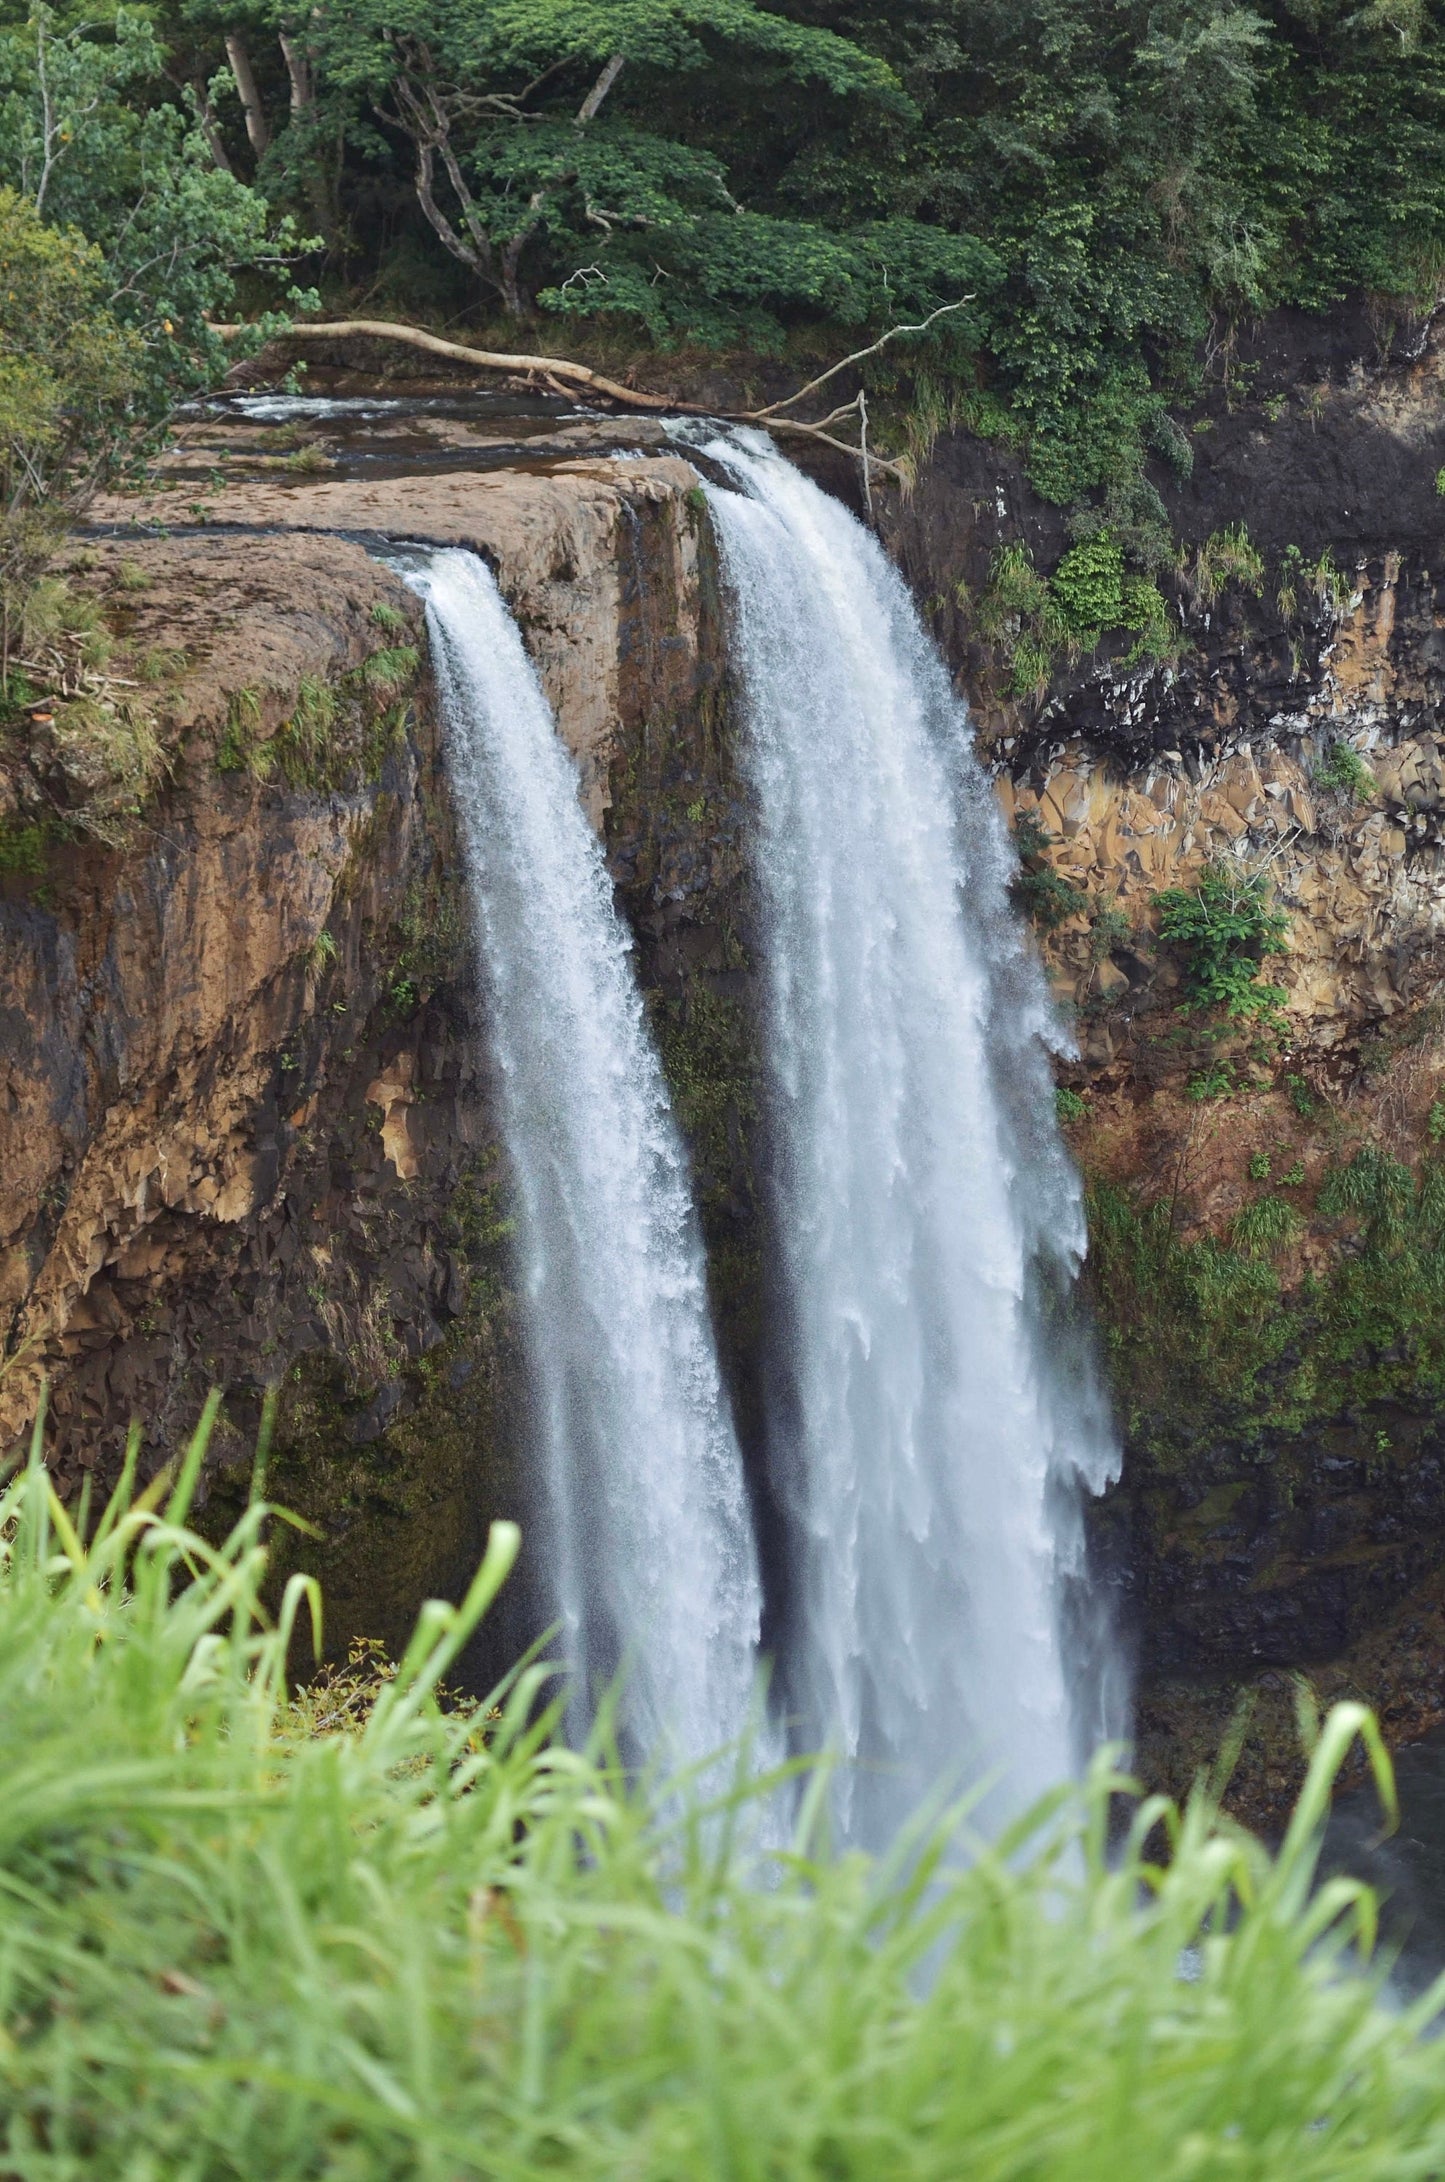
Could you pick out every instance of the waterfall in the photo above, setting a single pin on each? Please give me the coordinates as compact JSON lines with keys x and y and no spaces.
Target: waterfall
{"x":649,"y":1538}
{"x":928,"y":1434}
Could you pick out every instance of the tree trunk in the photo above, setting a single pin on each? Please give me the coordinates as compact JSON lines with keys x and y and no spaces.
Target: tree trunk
{"x":257,"y":127}
{"x":316,"y":180}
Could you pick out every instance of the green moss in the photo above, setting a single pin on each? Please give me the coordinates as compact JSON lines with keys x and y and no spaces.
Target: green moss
{"x":1208,"y":1344}
{"x":709,"y":1051}
{"x":337,"y":733}
{"x":1044,"y":895}
{"x":396,"y":1500}
{"x":709,"y":1056}
{"x":430,"y":934}
{"x":23,"y":847}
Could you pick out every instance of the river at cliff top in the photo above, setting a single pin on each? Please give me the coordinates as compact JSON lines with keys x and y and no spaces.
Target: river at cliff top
{"x":355,"y":431}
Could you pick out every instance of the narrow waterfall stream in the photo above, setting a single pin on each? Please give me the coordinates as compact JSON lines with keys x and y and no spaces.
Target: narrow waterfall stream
{"x":650,"y":1542}
{"x":924,"y":1442}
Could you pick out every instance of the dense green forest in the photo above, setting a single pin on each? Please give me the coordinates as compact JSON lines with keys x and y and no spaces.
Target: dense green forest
{"x":1114,"y":186}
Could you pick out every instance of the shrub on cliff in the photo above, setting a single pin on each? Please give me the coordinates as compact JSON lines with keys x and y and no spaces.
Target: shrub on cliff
{"x":1224,"y":926}
{"x":387,"y":1938}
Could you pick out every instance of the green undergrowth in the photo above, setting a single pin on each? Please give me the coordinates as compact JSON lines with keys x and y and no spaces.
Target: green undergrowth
{"x":1133,"y":590}
{"x":1223,"y":926}
{"x":1035,"y":621}
{"x":335,"y":732}
{"x":389,"y":1935}
{"x":1207,"y":1338}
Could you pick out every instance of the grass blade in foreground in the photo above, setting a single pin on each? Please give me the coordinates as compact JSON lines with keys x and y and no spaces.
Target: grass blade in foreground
{"x":444,"y":1946}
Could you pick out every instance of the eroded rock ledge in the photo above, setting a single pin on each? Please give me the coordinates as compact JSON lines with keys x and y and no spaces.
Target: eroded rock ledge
{"x":246,"y":1133}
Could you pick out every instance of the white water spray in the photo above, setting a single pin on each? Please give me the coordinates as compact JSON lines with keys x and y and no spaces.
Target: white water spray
{"x":924,"y":1444}
{"x":651,"y":1546}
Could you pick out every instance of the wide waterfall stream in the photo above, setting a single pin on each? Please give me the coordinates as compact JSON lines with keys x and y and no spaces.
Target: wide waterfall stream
{"x":649,"y":1543}
{"x":924,"y":1438}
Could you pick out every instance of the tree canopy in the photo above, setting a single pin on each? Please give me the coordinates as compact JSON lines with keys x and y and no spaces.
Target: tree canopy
{"x":1113,"y":182}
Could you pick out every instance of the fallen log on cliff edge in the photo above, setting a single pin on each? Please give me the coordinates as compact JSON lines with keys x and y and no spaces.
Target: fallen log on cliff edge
{"x":561,"y":370}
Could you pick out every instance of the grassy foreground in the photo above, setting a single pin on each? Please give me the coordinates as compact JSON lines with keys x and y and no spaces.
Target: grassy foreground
{"x":439,"y":1944}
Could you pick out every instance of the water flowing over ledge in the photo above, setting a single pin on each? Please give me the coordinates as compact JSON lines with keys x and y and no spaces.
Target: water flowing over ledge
{"x":649,"y":1538}
{"x":928,"y":1437}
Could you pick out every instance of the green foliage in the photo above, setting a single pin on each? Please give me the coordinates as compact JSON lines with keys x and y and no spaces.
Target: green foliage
{"x":69,"y":372}
{"x":1290,"y":582}
{"x":22,"y":849}
{"x":382,"y":1933}
{"x":1043,"y":894}
{"x":337,"y":732}
{"x":1109,"y":927}
{"x":1301,"y":1098}
{"x":1435,"y":1124}
{"x":1218,"y":1081}
{"x":1346,"y":772}
{"x":322,"y":953}
{"x":1226,"y":556}
{"x":239,"y":736}
{"x":1070,"y":1105}
{"x":1205,"y":1342}
{"x":1265,"y":1227}
{"x":388,"y":617}
{"x":391,"y":670}
{"x":1031,"y":619}
{"x":1329,"y":584}
{"x":1224,"y":926}
{"x":1259,"y":1166}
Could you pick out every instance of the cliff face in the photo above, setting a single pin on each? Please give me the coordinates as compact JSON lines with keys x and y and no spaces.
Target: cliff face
{"x":1266,"y":1259}
{"x":246,"y":1134}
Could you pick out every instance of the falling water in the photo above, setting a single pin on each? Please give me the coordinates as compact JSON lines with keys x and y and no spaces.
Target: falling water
{"x":927,"y":1439}
{"x":650,"y":1543}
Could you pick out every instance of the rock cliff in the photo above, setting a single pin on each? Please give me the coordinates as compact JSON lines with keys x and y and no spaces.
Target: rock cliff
{"x":245,"y":1131}
{"x":1266,"y":1259}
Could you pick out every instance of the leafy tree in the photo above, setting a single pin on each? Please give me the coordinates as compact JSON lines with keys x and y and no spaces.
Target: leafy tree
{"x":523,"y":155}
{"x":1225,"y":926}
{"x":88,"y":138}
{"x":69,"y":376}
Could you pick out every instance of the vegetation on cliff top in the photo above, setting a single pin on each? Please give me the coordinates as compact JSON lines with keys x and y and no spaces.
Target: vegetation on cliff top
{"x":1112,"y":184}
{"x":380,"y":1933}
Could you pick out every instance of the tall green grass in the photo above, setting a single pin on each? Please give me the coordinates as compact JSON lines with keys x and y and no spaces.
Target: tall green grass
{"x":442,"y":1945}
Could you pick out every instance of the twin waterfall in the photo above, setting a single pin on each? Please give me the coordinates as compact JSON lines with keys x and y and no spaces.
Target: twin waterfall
{"x":924,"y":1444}
{"x":650,"y":1541}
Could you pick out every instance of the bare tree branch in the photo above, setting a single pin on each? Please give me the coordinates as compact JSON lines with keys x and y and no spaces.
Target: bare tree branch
{"x":210,"y":126}
{"x":587,"y":111}
{"x":859,"y":355}
{"x":565,"y":373}
{"x":298,"y":68}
